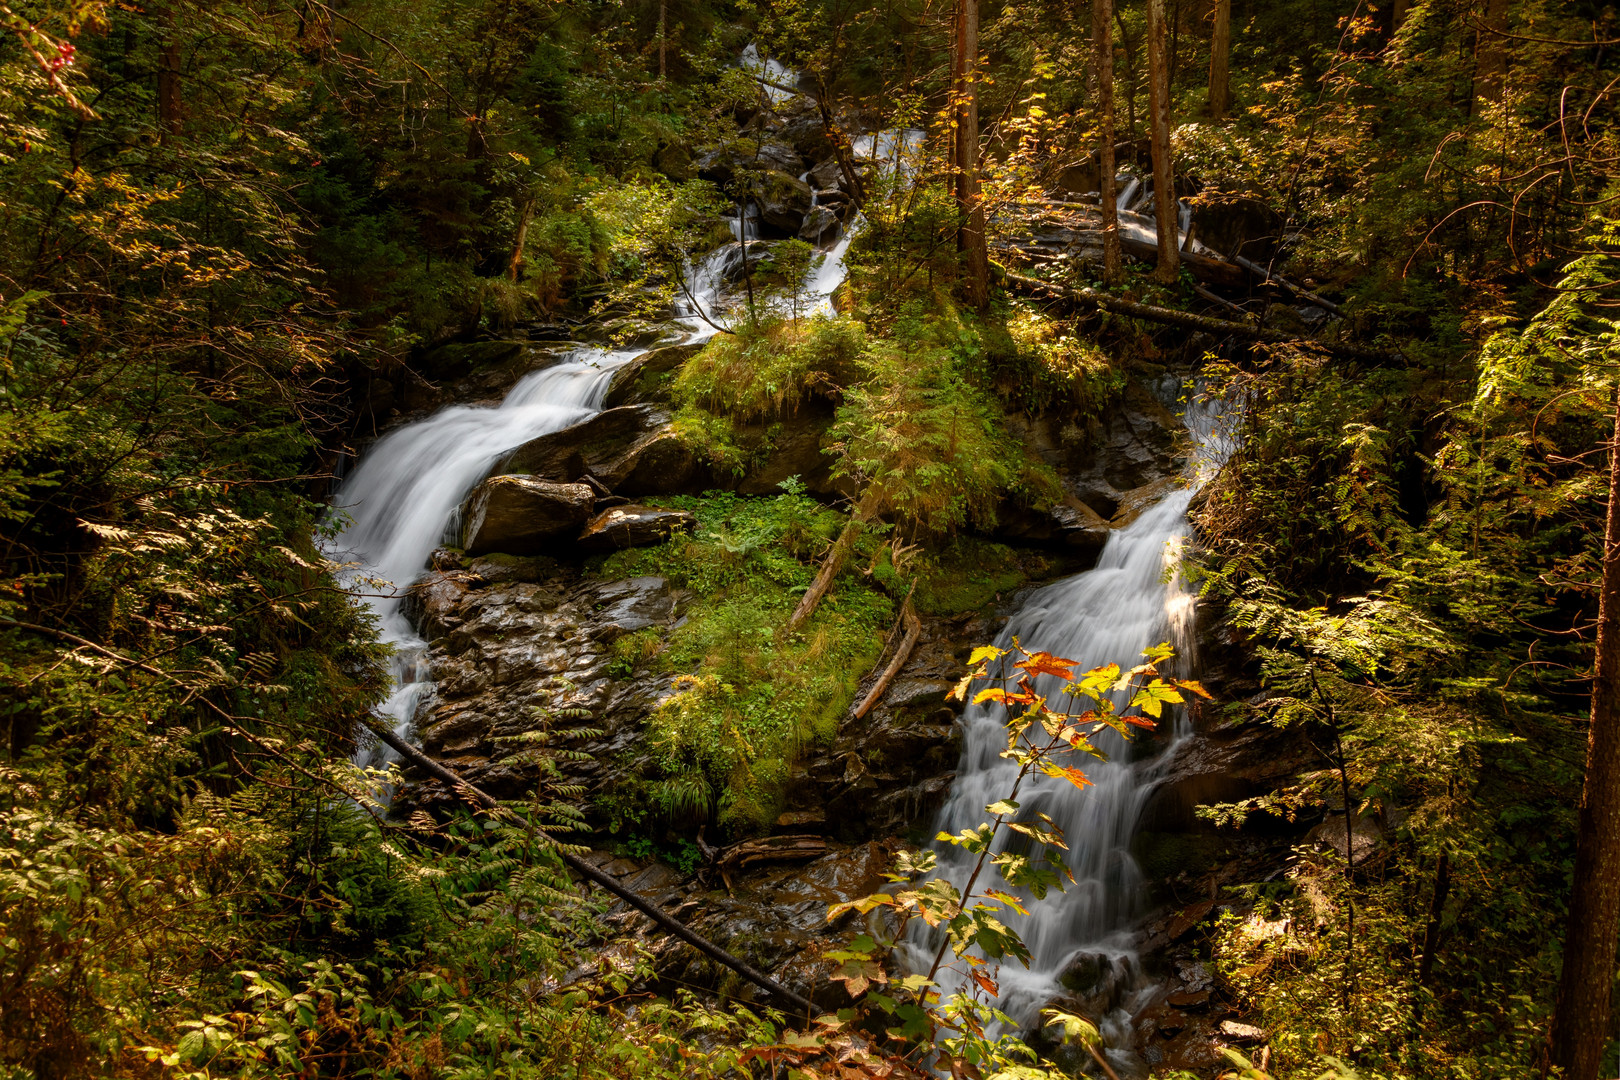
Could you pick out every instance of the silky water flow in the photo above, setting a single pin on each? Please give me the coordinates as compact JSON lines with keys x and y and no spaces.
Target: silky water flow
{"x":1133,"y":599}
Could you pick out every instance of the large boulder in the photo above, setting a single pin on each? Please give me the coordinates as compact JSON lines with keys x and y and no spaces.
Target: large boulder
{"x":519,"y":514}
{"x":1070,"y":525}
{"x":724,"y":164}
{"x":1238,"y":225}
{"x":643,"y":379}
{"x":783,"y":201}
{"x":633,"y":526}
{"x":594,"y":446}
{"x":820,"y":224}
{"x":631,"y":450}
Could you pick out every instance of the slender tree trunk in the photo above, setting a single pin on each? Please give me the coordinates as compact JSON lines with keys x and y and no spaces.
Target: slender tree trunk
{"x":1399,"y":14}
{"x":171,"y":108}
{"x":663,"y":23}
{"x":514,"y":264}
{"x":1220,"y":52}
{"x":1164,"y":181}
{"x":970,"y":238}
{"x":834,"y":561}
{"x":1102,"y":33}
{"x":1131,"y":80}
{"x":1581,"y":1023}
{"x":1437,"y":907}
{"x":1490,"y":57}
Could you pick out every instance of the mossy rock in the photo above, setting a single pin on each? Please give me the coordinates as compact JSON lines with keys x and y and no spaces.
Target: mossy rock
{"x":459,"y":359}
{"x":647,"y":377}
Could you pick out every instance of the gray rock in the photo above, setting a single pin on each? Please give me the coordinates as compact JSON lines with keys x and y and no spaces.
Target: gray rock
{"x":783,"y":201}
{"x":725,"y":164}
{"x":820,"y":225}
{"x":519,"y":514}
{"x":827,"y":175}
{"x":633,"y":526}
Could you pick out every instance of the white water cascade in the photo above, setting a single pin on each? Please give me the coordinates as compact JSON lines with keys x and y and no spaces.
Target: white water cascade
{"x":406,"y":491}
{"x":1106,"y":615}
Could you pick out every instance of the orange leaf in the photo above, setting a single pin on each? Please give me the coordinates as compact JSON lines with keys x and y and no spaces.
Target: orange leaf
{"x":986,"y":983}
{"x":1140,"y":721}
{"x":1066,"y":772}
{"x":1044,"y":663}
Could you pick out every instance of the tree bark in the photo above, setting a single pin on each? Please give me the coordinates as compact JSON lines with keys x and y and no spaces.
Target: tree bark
{"x":970,"y":238}
{"x":1164,"y":180}
{"x":525,"y":216}
{"x":1437,"y":908}
{"x":171,"y":108}
{"x":1399,"y":14}
{"x":1102,"y":34}
{"x":1220,"y":52}
{"x":1490,"y":57}
{"x":1581,"y":1023}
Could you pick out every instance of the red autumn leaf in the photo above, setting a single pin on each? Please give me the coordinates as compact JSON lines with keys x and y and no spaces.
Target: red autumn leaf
{"x":1141,"y":721}
{"x":986,"y":983}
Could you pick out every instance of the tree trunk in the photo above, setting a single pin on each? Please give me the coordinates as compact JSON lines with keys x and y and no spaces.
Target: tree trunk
{"x":1102,"y":34}
{"x":1581,"y":1023}
{"x":1490,"y":57}
{"x":1220,"y":53}
{"x":524,"y":218}
{"x":834,"y":561}
{"x":171,"y":114}
{"x":663,"y":23}
{"x":1437,"y":908}
{"x":970,"y":238}
{"x":1129,"y":43}
{"x":1399,"y":14}
{"x":1164,"y":181}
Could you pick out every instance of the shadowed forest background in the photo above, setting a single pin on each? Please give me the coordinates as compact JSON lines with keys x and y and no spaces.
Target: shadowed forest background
{"x":241,"y":241}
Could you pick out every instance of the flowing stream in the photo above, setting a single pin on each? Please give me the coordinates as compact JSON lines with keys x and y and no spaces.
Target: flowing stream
{"x":1130,"y":601}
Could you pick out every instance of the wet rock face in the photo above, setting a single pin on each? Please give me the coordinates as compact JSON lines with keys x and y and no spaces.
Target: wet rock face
{"x":518,"y":515}
{"x":643,"y":379}
{"x":512,"y":655}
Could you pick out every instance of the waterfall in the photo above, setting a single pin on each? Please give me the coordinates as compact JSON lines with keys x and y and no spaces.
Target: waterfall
{"x":396,"y":504}
{"x":1106,"y":615}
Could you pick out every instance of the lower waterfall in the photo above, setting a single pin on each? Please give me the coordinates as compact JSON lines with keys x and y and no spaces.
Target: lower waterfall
{"x":1131,"y":600}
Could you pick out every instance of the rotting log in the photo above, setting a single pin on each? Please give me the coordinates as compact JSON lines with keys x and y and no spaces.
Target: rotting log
{"x":1206,"y":323}
{"x":1303,"y":293}
{"x":591,"y":873}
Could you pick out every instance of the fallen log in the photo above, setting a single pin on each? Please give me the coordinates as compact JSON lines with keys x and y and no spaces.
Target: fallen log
{"x":800,"y":848}
{"x":591,"y":873}
{"x":913,"y":626}
{"x":1206,"y":323}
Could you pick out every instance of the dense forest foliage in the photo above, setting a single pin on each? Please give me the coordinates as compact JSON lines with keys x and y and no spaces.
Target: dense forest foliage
{"x":232,"y":233}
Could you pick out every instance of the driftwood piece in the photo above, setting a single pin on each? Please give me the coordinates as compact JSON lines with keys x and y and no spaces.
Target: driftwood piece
{"x":913,"y":625}
{"x":1171,"y":317}
{"x":591,"y":873}
{"x":768,"y":849}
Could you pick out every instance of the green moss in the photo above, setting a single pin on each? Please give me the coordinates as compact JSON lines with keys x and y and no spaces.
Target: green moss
{"x":969,"y":573}
{"x":769,"y":369}
{"x":748,"y":700}
{"x":1164,"y":855}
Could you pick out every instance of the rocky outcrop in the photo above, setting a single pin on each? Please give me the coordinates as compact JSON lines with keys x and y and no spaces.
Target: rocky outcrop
{"x":1070,"y":525}
{"x":645,"y":378}
{"x":518,"y":515}
{"x":460,"y":372}
{"x":630,"y":450}
{"x":511,"y":655}
{"x":631,"y":526}
{"x":783,"y":201}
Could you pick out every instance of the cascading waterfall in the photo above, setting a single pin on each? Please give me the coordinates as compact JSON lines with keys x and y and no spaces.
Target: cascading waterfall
{"x":398,"y":500}
{"x":1106,"y":615}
